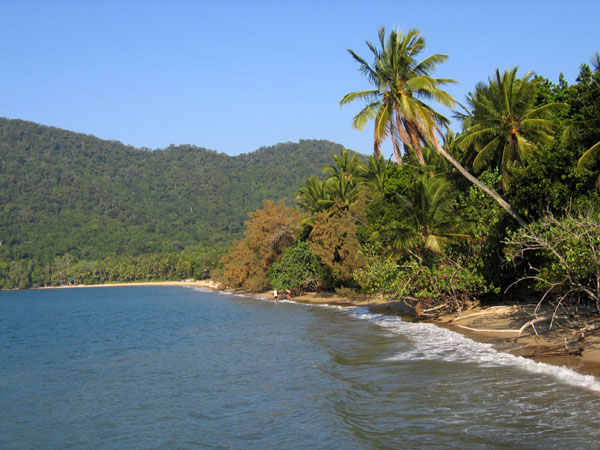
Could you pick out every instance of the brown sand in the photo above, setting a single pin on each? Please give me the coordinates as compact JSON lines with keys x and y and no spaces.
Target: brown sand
{"x":497,"y":325}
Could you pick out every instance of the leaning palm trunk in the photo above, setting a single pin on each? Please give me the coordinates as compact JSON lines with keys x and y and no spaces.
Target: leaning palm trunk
{"x":491,"y":192}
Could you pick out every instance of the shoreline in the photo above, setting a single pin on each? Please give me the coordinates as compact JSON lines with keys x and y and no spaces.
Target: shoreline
{"x":209,"y":284}
{"x":493,"y":324}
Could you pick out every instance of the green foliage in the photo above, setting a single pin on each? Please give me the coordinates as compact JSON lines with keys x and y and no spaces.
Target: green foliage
{"x":19,"y":275}
{"x":340,"y":188}
{"x":443,"y":280}
{"x":503,"y":125}
{"x":489,"y":223}
{"x":581,"y":121}
{"x":549,"y":180}
{"x":564,"y":253}
{"x":372,"y":174}
{"x":193,"y":262}
{"x":429,"y":218}
{"x":299,"y":270}
{"x":449,"y":280}
{"x":314,"y":196}
{"x":380,"y":274}
{"x":63,"y":192}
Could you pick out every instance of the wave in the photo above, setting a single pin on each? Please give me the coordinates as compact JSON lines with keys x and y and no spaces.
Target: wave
{"x":432,"y":342}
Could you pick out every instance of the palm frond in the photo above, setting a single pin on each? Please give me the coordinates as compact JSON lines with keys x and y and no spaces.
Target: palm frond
{"x":368,"y":113}
{"x":370,"y":96}
{"x":545,"y":110}
{"x":486,"y":154}
{"x":590,"y":157}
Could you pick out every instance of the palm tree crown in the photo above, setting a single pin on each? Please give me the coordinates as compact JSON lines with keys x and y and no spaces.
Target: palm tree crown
{"x":401,"y":83}
{"x":430,"y":218}
{"x":504,"y":126}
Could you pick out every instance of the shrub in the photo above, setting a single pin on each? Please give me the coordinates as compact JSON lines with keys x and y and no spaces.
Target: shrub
{"x":299,"y":270}
{"x":269,"y":232}
{"x":442,"y":281}
{"x":563,"y":253}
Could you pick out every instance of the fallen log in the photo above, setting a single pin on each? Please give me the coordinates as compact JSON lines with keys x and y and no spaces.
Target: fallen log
{"x":486,"y":330}
{"x":493,"y":310}
{"x":537,"y":354}
{"x":531,"y":324}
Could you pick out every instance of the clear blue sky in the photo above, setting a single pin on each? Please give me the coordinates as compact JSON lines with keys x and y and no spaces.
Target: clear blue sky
{"x":236,"y":75}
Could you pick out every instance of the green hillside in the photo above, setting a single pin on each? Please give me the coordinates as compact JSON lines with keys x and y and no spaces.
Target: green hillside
{"x":64,"y":192}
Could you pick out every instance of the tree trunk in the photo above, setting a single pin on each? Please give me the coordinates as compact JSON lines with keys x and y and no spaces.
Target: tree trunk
{"x":491,"y":192}
{"x":376,"y":141}
{"x":397,"y":152}
{"x":413,"y":133}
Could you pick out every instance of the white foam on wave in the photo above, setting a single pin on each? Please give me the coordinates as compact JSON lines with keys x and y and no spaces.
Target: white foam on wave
{"x":199,"y":289}
{"x":435,"y":343}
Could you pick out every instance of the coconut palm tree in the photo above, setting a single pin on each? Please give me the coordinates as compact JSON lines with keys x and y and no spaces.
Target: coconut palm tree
{"x":400,"y":83}
{"x":504,"y":125}
{"x":395,"y":106}
{"x":430,"y":220}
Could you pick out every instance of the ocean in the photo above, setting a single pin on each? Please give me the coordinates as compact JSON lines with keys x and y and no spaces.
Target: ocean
{"x":173,"y":367}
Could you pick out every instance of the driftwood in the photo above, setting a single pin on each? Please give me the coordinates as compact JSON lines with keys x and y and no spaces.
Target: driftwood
{"x":531,"y":324}
{"x":563,"y":349}
{"x":484,"y":330}
{"x":493,"y":310}
{"x":556,"y":350}
{"x":547,"y":354}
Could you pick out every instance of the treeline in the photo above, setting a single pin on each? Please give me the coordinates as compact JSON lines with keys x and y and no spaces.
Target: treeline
{"x":192,"y":263}
{"x":511,"y":202}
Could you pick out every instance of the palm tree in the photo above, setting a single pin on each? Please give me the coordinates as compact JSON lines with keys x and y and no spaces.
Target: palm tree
{"x":372,"y":173}
{"x":314,"y":196}
{"x":340,"y":187}
{"x":400,"y":82}
{"x":408,"y":117}
{"x":596,"y":62}
{"x":504,"y":126}
{"x":346,"y":164}
{"x":343,"y":190}
{"x":430,"y":219}
{"x":343,"y":179}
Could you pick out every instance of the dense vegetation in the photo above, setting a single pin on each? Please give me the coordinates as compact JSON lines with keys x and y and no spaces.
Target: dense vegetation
{"x":511,"y":200}
{"x":74,"y":196}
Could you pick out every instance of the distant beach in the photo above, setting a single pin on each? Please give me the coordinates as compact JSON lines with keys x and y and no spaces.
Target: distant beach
{"x":209,"y":284}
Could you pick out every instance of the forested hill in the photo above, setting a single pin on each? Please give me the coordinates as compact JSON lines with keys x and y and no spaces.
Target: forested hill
{"x":68,"y":192}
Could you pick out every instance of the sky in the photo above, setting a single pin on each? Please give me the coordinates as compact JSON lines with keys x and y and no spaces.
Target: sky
{"x":233,"y":76}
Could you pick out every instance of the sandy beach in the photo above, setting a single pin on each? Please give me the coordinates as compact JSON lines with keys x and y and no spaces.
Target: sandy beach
{"x":497,"y":325}
{"x":208,"y":284}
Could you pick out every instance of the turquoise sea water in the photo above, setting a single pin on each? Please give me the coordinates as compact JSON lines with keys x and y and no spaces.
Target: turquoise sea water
{"x":169,"y":367}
